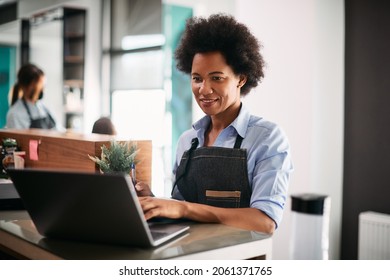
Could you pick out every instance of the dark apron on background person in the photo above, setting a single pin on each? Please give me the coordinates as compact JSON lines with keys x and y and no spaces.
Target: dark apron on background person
{"x":44,"y":122}
{"x":215,"y":176}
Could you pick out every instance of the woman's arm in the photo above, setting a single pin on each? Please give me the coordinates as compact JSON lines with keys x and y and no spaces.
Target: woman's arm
{"x":246,"y":218}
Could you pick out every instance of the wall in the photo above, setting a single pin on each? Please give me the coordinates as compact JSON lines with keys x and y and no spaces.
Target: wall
{"x":367,"y":134}
{"x":205,"y":7}
{"x":303,"y":92}
{"x":46,"y":42}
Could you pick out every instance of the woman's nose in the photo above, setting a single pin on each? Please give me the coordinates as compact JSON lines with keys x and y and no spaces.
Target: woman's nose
{"x":205,"y":88}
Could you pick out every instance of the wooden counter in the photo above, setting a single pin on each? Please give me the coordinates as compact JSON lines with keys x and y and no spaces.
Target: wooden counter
{"x":69,"y":150}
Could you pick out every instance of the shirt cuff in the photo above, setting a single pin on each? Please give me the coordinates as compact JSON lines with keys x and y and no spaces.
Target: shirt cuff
{"x":271,"y":209}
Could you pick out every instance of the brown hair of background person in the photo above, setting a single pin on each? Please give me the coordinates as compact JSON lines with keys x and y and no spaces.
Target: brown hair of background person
{"x":104,"y":125}
{"x":27,"y":75}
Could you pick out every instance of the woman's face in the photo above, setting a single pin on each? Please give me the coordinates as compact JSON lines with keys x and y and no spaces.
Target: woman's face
{"x":35,"y":88}
{"x":215,"y":86}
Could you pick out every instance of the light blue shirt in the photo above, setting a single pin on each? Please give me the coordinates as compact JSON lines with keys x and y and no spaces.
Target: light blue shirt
{"x":18,"y":117}
{"x":269,"y":160}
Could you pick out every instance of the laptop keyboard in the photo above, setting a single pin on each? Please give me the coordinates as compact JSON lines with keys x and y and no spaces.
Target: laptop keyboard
{"x":158,"y":234}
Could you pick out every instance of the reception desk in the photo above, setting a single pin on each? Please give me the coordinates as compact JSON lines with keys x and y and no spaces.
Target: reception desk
{"x":49,"y":149}
{"x":19,"y":239}
{"x":55,"y":150}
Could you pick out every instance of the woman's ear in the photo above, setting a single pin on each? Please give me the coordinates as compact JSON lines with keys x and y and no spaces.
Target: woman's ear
{"x":242,"y":81}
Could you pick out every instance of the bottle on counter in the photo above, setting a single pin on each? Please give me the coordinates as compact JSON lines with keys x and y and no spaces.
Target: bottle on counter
{"x":9,"y":145}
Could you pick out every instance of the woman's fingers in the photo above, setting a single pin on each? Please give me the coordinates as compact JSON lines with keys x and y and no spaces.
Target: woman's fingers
{"x":143,"y":189}
{"x":154,"y":207}
{"x":147,"y":203}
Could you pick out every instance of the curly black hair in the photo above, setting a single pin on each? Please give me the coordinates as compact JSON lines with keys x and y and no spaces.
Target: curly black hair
{"x":221,"y":32}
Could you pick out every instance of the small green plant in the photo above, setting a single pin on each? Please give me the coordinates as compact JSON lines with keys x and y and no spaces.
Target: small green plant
{"x":119,"y":157}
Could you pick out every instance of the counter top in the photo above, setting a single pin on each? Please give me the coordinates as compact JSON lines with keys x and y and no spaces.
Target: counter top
{"x":19,"y":238}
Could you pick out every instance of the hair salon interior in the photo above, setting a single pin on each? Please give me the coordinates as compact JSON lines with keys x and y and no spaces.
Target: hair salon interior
{"x":326,"y":83}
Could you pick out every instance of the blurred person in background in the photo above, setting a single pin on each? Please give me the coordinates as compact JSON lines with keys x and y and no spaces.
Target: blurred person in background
{"x":104,"y":125}
{"x":27,"y":109}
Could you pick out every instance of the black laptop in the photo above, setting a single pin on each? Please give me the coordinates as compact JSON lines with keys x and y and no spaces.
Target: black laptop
{"x":89,"y":207}
{"x":9,"y":198}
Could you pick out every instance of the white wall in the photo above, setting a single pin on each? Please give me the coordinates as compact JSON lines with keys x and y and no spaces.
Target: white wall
{"x":303,"y":45}
{"x":45,"y":51}
{"x":205,"y":7}
{"x":10,"y":33}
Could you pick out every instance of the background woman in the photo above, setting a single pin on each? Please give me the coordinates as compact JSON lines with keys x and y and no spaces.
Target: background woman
{"x":27,"y":110}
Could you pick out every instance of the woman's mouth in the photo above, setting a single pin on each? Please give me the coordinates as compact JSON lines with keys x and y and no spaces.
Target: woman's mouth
{"x":208,"y":102}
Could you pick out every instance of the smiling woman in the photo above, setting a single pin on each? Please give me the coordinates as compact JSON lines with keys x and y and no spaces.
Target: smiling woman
{"x":231,"y":167}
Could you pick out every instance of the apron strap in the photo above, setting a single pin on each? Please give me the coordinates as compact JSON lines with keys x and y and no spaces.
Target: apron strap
{"x":44,"y":108}
{"x":194,"y":145}
{"x":28,"y":109}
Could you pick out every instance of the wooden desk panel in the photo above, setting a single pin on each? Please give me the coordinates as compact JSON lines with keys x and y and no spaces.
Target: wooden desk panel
{"x":65,"y":150}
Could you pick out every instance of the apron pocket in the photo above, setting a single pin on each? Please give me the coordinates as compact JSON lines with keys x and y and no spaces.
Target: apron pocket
{"x":227,"y":199}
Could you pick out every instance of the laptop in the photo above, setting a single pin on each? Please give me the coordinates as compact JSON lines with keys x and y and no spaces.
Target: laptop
{"x":89,"y":207}
{"x":9,"y":198}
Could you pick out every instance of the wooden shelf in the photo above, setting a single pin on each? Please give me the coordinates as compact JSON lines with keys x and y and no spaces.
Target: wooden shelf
{"x":74,"y":59}
{"x":74,"y":112}
{"x":75,"y":36}
{"x":73,"y":65}
{"x":74,"y":83}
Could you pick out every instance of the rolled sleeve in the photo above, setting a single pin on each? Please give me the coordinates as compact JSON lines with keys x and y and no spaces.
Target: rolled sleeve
{"x":270,"y":167}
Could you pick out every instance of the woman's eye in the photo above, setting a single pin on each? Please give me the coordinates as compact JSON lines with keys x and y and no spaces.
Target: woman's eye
{"x":216,"y":78}
{"x":196,"y":79}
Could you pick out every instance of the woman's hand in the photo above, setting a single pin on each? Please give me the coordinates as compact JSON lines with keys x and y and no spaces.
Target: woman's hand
{"x":143,"y":189}
{"x":246,"y":218}
{"x":159,"y":207}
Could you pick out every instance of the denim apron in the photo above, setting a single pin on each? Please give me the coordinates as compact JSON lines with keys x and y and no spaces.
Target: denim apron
{"x":44,"y":122}
{"x":214,"y":176}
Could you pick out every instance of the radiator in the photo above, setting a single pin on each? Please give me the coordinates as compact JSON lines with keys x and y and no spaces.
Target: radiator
{"x":374,"y":236}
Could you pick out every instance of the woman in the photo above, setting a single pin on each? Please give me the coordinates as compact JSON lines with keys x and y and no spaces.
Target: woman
{"x":231,"y":167}
{"x":27,"y":110}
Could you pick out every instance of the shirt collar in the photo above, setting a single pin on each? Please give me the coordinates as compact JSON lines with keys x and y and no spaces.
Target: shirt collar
{"x":240,"y":124}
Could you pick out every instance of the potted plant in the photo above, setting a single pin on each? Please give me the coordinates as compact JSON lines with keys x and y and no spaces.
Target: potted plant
{"x":119,"y":157}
